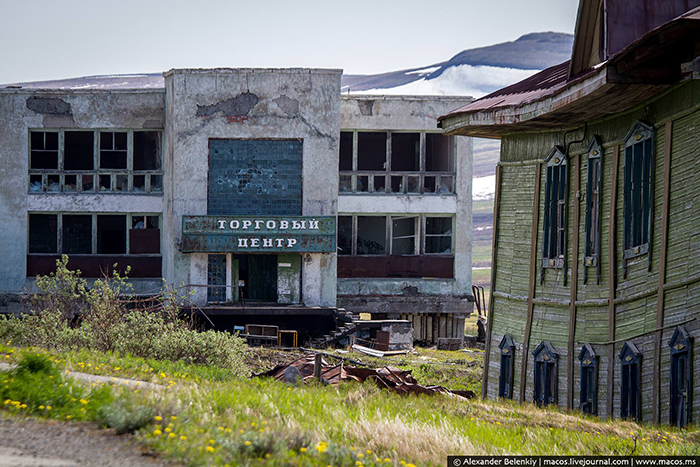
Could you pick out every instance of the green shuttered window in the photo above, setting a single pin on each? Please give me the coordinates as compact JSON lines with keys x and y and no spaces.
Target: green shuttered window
{"x":639,"y":176}
{"x":555,"y":210}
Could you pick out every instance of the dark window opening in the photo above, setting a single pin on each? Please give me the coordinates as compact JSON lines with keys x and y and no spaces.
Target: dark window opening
{"x":78,"y":150}
{"x":43,"y":233}
{"x":345,"y":150}
{"x":111,"y":234}
{"x":439,"y":153}
{"x":344,"y":235}
{"x":638,"y":188}
{"x":144,"y":235}
{"x":438,"y":235}
{"x":505,"y":381}
{"x":379,"y":183}
{"x":77,"y":234}
{"x":147,"y":150}
{"x":405,"y":152}
{"x":113,"y":150}
{"x":43,"y":150}
{"x":555,"y":210}
{"x":371,"y":235}
{"x":630,"y":396}
{"x":595,"y":158}
{"x":680,"y":407}
{"x":589,"y":380}
{"x":545,"y":374}
{"x":371,"y":150}
{"x":404,"y":235}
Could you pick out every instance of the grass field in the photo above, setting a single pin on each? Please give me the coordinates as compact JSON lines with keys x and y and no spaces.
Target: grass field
{"x":201,"y":417}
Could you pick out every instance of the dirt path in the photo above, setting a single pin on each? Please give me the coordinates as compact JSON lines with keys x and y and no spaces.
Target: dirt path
{"x":26,"y":442}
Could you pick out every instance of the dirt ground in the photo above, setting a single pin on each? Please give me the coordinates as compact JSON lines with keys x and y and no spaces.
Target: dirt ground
{"x":26,"y":442}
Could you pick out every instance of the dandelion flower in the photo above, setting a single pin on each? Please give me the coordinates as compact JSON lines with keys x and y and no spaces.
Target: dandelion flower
{"x":209,"y":449}
{"x":157,"y":432}
{"x":247,"y":443}
{"x":183,"y":438}
{"x":158,"y":418}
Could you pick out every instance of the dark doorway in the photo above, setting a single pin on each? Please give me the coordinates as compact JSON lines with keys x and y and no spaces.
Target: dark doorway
{"x":259,"y":276}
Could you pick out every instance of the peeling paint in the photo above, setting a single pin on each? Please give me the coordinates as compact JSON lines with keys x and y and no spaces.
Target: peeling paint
{"x":366,"y":107}
{"x":239,"y":106}
{"x":287,"y":105}
{"x":49,"y":106}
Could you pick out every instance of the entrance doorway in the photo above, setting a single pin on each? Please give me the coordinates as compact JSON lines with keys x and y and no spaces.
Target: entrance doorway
{"x":257,"y":277}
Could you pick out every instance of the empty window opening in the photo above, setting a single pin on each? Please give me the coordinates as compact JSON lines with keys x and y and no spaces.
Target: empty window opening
{"x":362,"y":183}
{"x":79,"y":150}
{"x":344,"y":235}
{"x":371,"y":235}
{"x":545,"y":374}
{"x":438,"y":235}
{"x":589,"y":380}
{"x":345,"y":150}
{"x":379,"y":183}
{"x":111,"y":234}
{"x":505,"y":381}
{"x":680,"y":406}
{"x":147,"y":150}
{"x":43,"y":150}
{"x":439,"y":153}
{"x":43,"y":233}
{"x":404,"y":235}
{"x":405,"y":152}
{"x":113,"y":150}
{"x":77,"y":234}
{"x":630,"y":397}
{"x":371,"y":150}
{"x":144,"y":235}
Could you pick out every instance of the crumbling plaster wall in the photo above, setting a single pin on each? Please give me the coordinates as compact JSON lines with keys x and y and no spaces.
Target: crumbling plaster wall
{"x":417,"y":113}
{"x":250,"y":104}
{"x":22,"y":110}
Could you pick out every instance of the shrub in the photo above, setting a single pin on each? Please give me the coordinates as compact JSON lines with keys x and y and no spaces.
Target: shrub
{"x":125,"y":415}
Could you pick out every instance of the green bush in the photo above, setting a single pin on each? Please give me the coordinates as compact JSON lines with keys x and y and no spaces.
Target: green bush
{"x":126,"y":415}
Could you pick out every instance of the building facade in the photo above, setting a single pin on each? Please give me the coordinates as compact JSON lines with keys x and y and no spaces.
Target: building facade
{"x":229,"y":183}
{"x":596,"y":277}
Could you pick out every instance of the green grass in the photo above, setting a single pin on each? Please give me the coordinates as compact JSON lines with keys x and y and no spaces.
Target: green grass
{"x":482,"y":207}
{"x":201,"y":419}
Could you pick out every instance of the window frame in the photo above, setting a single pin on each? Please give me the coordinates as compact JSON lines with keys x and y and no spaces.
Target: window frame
{"x":593,"y":208}
{"x":120,"y":181}
{"x":638,"y":212}
{"x":411,"y":182}
{"x":555,"y":224}
{"x":630,"y":381}
{"x":545,"y":391}
{"x":681,"y":356}
{"x":588,"y":395}
{"x":507,"y":368}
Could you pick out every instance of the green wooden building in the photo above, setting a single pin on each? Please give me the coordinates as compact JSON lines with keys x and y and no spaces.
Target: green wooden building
{"x":596,"y":252}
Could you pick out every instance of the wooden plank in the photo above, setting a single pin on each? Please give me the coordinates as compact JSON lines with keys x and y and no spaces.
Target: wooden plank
{"x":533,"y":272}
{"x":494,"y":245}
{"x":574,"y":285}
{"x":662,"y":270}
{"x":612,"y":240}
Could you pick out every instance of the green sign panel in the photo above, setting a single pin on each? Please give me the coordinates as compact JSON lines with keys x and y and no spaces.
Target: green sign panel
{"x":258,"y":234}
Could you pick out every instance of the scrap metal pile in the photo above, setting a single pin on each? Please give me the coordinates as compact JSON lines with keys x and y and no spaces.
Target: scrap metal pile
{"x":400,"y":381}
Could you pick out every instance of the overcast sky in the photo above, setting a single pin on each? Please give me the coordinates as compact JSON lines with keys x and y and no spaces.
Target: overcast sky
{"x":52,"y":39}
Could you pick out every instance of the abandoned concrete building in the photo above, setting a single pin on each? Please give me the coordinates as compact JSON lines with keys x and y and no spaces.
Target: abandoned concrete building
{"x":263,"y":191}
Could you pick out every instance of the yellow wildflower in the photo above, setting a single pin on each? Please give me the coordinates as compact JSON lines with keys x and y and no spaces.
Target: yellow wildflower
{"x":209,"y":449}
{"x":247,"y":443}
{"x":157,"y":432}
{"x":183,"y":438}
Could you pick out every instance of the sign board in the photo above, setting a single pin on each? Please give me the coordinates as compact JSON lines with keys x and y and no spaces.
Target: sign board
{"x":258,"y":234}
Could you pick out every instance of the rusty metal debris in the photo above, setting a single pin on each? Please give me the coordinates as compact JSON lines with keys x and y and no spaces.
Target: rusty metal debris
{"x":395,"y":379}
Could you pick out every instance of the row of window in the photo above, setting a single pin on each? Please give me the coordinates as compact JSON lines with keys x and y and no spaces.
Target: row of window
{"x":394,"y":235}
{"x":86,"y":234}
{"x":545,"y":377}
{"x":95,"y":160}
{"x":383,"y":162}
{"x":638,"y":199}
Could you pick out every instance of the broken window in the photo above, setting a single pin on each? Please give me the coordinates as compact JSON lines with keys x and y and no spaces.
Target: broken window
{"x":589,"y":380}
{"x":69,"y":161}
{"x":43,"y":233}
{"x":144,"y":234}
{"x":344,"y":235}
{"x":77,"y":234}
{"x":43,"y":150}
{"x":113,"y":150}
{"x":405,"y":152}
{"x":545,"y":374}
{"x":412,"y":162}
{"x":630,"y":397}
{"x":554,"y":245}
{"x":438,"y":235}
{"x":78,"y":150}
{"x":111,"y":234}
{"x":404,"y":235}
{"x":639,"y":167}
{"x":371,"y":235}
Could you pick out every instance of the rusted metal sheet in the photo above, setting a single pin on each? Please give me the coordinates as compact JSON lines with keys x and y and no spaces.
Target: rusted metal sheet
{"x":254,"y":234}
{"x":396,"y":266}
{"x":98,"y":265}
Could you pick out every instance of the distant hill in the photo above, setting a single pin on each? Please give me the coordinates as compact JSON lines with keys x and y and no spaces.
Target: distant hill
{"x":475,"y":71}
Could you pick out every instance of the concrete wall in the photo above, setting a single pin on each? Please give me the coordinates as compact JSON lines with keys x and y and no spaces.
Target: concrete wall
{"x":21,"y":110}
{"x":413,"y":113}
{"x":256,"y":104}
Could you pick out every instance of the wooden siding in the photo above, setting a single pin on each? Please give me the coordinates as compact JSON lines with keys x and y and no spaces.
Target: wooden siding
{"x":636,"y":298}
